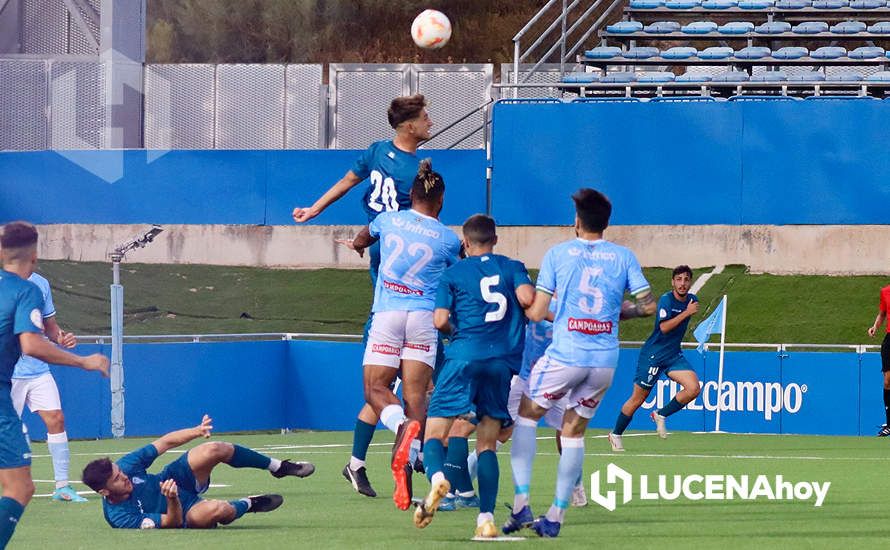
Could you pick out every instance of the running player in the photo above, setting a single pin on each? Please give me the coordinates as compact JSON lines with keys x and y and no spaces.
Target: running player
{"x":171,"y":499}
{"x":21,"y":331}
{"x":479,"y":303}
{"x":33,"y":384}
{"x":390,"y":166}
{"x":883,"y":308}
{"x":415,"y":249}
{"x":662,"y":354}
{"x":590,"y":276}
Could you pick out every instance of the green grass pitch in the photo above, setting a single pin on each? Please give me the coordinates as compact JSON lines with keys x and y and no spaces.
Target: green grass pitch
{"x":323,"y":512}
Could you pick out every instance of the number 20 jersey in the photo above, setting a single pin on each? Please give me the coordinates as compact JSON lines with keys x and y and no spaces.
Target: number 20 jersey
{"x":390,"y":173}
{"x":414,"y":252}
{"x":589,"y":279}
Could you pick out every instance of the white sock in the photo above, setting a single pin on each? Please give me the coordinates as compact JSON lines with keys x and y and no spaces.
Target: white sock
{"x":58,"y":450}
{"x":355,"y":464}
{"x":484,"y":517}
{"x":274,"y":464}
{"x":466,"y":494}
{"x":247,"y":500}
{"x":392,"y":417}
{"x":414,"y":452}
{"x":437,"y":477}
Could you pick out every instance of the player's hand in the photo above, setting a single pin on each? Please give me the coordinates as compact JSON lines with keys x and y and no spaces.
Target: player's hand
{"x":302,"y":215}
{"x":67,"y":339}
{"x":205,"y":427}
{"x":97,"y":362}
{"x":169,"y":489}
{"x":350,"y":244}
{"x":871,"y":331}
{"x":692,"y":307}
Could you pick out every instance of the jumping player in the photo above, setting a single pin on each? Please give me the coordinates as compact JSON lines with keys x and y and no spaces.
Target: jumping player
{"x":171,"y":499}
{"x":390,"y":167}
{"x":415,"y":249}
{"x":480,"y":303}
{"x":21,"y":331}
{"x":662,"y":354}
{"x":590,"y":275}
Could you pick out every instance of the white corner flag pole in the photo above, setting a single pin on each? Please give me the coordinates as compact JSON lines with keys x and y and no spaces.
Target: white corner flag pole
{"x":720,"y":368}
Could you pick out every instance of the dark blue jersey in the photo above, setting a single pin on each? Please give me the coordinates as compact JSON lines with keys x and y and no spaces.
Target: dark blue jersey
{"x":390,"y":173}
{"x":662,"y":346}
{"x":486,"y":318}
{"x":146,"y":503}
{"x":21,"y":310}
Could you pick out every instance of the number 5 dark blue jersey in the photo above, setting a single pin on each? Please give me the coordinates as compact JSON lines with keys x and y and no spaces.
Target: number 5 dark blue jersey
{"x":486,"y":317}
{"x":391,"y":173}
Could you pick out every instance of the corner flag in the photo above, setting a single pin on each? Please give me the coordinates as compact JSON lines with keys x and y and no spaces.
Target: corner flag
{"x":712,"y":325}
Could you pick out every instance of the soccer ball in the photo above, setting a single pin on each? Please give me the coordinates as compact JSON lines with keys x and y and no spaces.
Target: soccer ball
{"x":431,"y":29}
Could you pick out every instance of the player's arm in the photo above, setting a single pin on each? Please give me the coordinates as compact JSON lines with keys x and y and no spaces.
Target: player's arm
{"x":879,"y":320}
{"x":643,"y":305}
{"x":441,"y":317}
{"x":347,"y":182}
{"x":55,"y":333}
{"x":181,"y":437}
{"x":671,"y":324}
{"x":173,"y":518}
{"x":363,"y":240}
{"x":525,"y":295}
{"x":540,"y":307}
{"x":35,"y":345}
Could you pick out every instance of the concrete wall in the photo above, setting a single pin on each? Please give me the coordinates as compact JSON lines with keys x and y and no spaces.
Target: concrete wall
{"x":822,"y":249}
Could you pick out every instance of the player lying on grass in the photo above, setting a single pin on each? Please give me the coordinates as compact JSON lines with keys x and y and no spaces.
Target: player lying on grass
{"x":662,"y":354}
{"x":134,"y":498}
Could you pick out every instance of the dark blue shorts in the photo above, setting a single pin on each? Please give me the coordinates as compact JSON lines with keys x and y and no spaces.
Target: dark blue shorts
{"x":14,"y":449}
{"x":477,"y":387}
{"x":649,"y":370}
{"x":189,"y":490}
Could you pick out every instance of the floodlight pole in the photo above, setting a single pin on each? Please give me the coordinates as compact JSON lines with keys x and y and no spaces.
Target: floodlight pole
{"x":117,"y":328}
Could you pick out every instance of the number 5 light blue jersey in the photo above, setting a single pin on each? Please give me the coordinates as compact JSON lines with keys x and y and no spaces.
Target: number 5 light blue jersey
{"x":589,"y":279}
{"x":414,"y":251}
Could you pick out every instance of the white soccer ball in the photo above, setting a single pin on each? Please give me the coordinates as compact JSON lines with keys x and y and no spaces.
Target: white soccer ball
{"x":431,"y":29}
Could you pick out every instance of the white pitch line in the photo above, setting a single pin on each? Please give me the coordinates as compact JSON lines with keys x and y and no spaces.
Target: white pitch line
{"x":700,"y":282}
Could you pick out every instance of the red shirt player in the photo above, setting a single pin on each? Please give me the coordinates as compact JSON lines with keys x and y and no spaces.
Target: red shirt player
{"x":883,"y":308}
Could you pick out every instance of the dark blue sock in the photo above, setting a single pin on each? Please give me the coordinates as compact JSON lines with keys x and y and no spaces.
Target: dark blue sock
{"x":621,"y":423}
{"x":433,"y":457}
{"x":10,"y":512}
{"x":248,"y":458}
{"x":488,"y":481}
{"x":240,"y":507}
{"x":361,"y":438}
{"x":456,"y":471}
{"x":671,"y":407}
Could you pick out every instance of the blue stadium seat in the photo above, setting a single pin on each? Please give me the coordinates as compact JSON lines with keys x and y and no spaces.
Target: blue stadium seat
{"x":682,"y":4}
{"x":848,"y":27}
{"x":655,"y":76}
{"x":716,"y":52}
{"x":882,"y":76}
{"x":736,"y":27}
{"x":830,"y":4}
{"x":867,"y":52}
{"x":719,"y":4}
{"x":646,"y":4}
{"x":581,"y":78}
{"x":828,"y":52}
{"x":793,"y":4}
{"x":810,"y":27}
{"x":882,"y":27}
{"x":699,"y":27}
{"x":867,"y":4}
{"x":808,"y":76}
{"x":773,"y":27}
{"x":845,"y":76}
{"x":791,"y":52}
{"x":625,"y":27}
{"x":640,"y":52}
{"x":693,"y":77}
{"x":770,"y":76}
{"x":619,"y":78}
{"x":679,"y":52}
{"x":731,"y":76}
{"x":603,"y":52}
{"x":756,"y":4}
{"x":753,"y":52}
{"x":662,"y":27}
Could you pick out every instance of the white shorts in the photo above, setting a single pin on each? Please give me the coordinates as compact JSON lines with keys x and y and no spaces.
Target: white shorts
{"x":397,"y":335}
{"x":40,"y":394}
{"x":582,"y":387}
{"x":518,"y":386}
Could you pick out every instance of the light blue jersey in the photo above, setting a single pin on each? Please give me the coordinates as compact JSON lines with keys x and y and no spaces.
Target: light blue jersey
{"x":27,"y":366}
{"x":414,"y":251}
{"x":537,"y":337}
{"x":590,"y":279}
